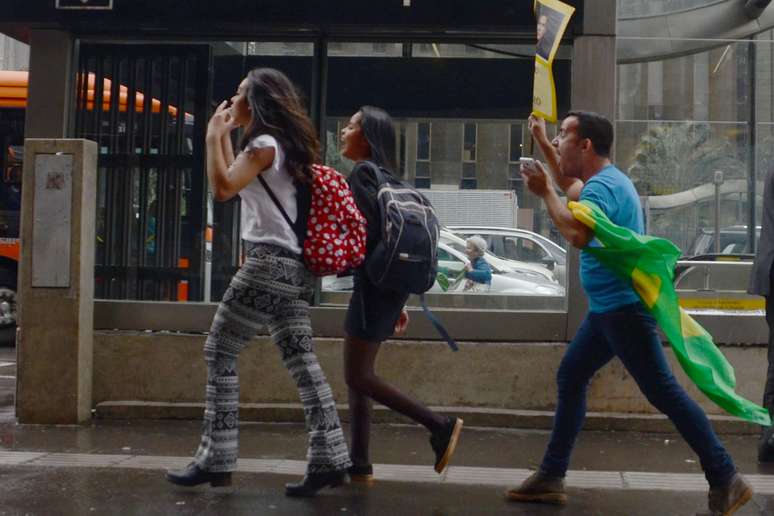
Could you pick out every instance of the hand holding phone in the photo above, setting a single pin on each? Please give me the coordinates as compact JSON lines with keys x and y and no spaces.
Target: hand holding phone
{"x":527,"y":164}
{"x":534,"y":175}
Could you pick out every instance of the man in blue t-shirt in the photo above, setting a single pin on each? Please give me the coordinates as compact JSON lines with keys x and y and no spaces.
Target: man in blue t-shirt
{"x":618,"y":324}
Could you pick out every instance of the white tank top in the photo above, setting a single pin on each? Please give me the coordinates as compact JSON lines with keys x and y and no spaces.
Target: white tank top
{"x":261,"y":219}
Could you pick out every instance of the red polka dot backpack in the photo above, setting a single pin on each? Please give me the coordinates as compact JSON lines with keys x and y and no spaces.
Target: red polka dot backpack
{"x":334,"y":236}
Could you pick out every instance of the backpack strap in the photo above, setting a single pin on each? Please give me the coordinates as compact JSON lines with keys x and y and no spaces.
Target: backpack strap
{"x":437,"y":324}
{"x":381,"y":177}
{"x":274,"y":198}
{"x":303,"y":202}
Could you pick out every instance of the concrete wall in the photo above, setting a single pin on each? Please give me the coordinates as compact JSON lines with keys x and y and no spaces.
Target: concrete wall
{"x":153,"y":367}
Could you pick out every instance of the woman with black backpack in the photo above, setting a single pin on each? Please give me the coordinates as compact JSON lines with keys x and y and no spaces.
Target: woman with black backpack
{"x":375,"y":314}
{"x":272,"y":287}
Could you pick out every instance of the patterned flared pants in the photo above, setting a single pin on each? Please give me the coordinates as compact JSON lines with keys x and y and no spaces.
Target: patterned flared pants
{"x":270,"y":289}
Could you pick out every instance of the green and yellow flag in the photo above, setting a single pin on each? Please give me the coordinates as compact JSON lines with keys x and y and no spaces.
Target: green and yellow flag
{"x":648,"y":263}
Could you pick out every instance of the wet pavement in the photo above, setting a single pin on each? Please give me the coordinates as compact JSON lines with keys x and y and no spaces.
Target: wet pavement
{"x":116,"y":468}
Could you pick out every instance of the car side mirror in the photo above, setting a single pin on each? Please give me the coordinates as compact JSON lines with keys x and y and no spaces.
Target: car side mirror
{"x":550,"y":263}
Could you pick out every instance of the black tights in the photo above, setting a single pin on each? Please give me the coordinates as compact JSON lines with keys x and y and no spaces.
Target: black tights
{"x":364,"y":386}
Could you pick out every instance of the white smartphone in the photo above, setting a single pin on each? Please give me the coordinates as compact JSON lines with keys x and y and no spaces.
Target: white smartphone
{"x":529,"y":163}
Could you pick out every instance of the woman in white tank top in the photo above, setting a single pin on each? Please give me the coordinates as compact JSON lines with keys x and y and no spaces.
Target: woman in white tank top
{"x":272,"y":288}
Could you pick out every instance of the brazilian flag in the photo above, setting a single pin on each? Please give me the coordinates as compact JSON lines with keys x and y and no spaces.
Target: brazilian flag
{"x":648,"y":264}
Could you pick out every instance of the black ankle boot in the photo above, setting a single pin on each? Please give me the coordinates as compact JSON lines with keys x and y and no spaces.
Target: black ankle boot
{"x":193,"y":475}
{"x":313,"y":482}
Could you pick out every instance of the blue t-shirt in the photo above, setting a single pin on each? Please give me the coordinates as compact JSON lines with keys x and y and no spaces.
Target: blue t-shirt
{"x":615,"y":194}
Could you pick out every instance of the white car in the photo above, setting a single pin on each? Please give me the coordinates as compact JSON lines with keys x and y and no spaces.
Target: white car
{"x":521,"y":245}
{"x":519,"y":269}
{"x":451,"y":262}
{"x":504,"y":281}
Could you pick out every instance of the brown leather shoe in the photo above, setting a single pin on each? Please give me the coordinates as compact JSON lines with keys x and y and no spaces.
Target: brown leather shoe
{"x":724,"y":501}
{"x":539,"y":488}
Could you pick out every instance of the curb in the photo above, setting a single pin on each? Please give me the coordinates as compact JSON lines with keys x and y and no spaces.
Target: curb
{"x":473,"y":416}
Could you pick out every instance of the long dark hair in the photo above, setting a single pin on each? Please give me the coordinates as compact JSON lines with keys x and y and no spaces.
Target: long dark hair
{"x":276,"y":109}
{"x":379,"y":131}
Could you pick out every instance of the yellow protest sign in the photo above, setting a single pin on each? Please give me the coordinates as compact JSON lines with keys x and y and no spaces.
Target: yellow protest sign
{"x":552,"y":18}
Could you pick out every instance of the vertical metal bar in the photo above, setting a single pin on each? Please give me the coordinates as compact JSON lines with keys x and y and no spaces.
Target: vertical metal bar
{"x":178,"y":176}
{"x":717,"y":213}
{"x":147,"y":89}
{"x":115,"y":103}
{"x":110,"y":215}
{"x":80,"y":95}
{"x":127,"y":180}
{"x":99,"y":91}
{"x":751,"y":168}
{"x":157,"y":214}
{"x":318,"y":109}
{"x":161,"y":222}
{"x":319,"y":94}
{"x":182,"y":104}
{"x":197,"y":201}
{"x":131,"y":105}
{"x":165,"y":78}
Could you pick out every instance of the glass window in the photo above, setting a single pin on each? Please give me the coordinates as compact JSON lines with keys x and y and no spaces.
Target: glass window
{"x":422,"y":171}
{"x":469,"y":143}
{"x":459,"y":135}
{"x":686,"y":138}
{"x":469,"y":137}
{"x":423,"y":141}
{"x":515,"y":182}
{"x":515,"y":144}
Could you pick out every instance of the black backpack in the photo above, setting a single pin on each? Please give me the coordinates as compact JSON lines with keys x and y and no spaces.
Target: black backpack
{"x":406,"y":257}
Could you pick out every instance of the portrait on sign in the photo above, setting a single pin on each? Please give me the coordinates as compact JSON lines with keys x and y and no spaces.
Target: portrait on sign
{"x":549,"y":25}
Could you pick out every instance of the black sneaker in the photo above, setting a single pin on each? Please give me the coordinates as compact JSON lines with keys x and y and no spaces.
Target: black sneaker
{"x":444,"y":442}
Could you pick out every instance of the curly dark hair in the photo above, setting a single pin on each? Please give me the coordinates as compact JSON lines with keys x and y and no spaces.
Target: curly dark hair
{"x":277,"y":109}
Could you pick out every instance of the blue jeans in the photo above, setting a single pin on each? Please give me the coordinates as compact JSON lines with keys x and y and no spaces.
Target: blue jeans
{"x":630,"y":334}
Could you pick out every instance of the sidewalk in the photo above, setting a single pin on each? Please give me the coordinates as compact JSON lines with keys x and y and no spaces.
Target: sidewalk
{"x":116,"y":468}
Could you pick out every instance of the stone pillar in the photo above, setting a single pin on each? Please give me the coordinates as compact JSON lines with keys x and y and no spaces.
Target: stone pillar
{"x":594,"y":70}
{"x":56,"y":282}
{"x":50,"y":84}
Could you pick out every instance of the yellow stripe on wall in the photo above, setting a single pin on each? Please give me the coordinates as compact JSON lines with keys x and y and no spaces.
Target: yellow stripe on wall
{"x":722,"y":303}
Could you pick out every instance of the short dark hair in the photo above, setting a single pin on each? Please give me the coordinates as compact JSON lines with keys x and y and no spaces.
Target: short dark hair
{"x":596,"y":128}
{"x":379,"y":131}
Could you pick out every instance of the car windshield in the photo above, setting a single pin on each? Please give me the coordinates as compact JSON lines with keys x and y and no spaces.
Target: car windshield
{"x":526,"y":237}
